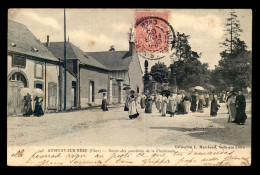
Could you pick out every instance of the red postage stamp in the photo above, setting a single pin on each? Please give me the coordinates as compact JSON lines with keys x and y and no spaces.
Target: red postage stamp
{"x":154,"y":35}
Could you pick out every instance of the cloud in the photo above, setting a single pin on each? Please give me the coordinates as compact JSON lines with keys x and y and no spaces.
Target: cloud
{"x":47,"y":21}
{"x":123,"y":27}
{"x":209,"y":24}
{"x":98,"y":42}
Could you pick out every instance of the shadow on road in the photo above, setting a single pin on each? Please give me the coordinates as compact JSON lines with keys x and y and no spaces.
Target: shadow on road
{"x":226,"y":133}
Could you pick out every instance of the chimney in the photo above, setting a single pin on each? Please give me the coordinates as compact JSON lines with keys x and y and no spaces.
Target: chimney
{"x":131,"y":48}
{"x":48,"y":41}
{"x":111,"y":49}
{"x":131,"y":41}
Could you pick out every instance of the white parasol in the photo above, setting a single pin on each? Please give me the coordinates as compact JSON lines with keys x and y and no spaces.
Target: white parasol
{"x":38,"y":92}
{"x":200,"y":88}
{"x":24,"y":91}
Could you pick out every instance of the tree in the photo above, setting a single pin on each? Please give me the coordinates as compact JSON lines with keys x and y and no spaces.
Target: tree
{"x":159,"y":72}
{"x":182,"y":47}
{"x":187,"y":67}
{"x":234,"y":68}
{"x":232,"y":31}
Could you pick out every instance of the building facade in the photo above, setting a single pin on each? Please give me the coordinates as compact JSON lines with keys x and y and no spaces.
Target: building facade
{"x":30,"y":65}
{"x":91,"y":76}
{"x":124,"y":70}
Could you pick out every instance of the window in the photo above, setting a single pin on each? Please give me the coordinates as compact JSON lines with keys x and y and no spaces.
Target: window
{"x":17,"y":76}
{"x":115,"y":90}
{"x":38,"y":84}
{"x":52,"y":95}
{"x":38,"y":72}
{"x":19,"y":61}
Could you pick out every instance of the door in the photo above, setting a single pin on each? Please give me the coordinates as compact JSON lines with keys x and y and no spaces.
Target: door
{"x":72,"y":99}
{"x":14,"y":104}
{"x":73,"y":93}
{"x":91,"y":91}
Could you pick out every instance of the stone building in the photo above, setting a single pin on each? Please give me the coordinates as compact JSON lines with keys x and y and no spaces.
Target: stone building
{"x":124,"y":70}
{"x":90,"y":74}
{"x":31,"y":65}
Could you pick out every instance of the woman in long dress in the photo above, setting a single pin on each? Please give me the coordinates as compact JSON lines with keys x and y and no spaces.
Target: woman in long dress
{"x":231,"y":100}
{"x":207,"y":100}
{"x":132,"y":106}
{"x":104,"y":103}
{"x":186,"y":104}
{"x":148,"y":104}
{"x":201,"y":101}
{"x":193,"y":103}
{"x":214,"y":106}
{"x":172,"y":103}
{"x":159,"y":102}
{"x":27,"y":105}
{"x":38,"y":106}
{"x":164,"y":105}
{"x":142,"y":102}
{"x":240,"y":109}
{"x":126,"y":108}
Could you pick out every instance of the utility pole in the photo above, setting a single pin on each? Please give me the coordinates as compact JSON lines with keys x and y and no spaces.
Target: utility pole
{"x":65,"y":62}
{"x":231,"y":39}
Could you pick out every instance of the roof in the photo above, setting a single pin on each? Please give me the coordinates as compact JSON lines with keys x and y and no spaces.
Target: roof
{"x":73,"y":52}
{"x":114,"y":60}
{"x":25,"y":42}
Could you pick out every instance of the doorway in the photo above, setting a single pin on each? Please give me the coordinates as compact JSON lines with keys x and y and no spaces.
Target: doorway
{"x":73,"y":93}
{"x":91,"y":91}
{"x":16,"y":82}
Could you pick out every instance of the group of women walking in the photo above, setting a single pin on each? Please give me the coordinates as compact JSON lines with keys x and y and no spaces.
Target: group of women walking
{"x":236,"y":105}
{"x":27,"y":109}
{"x":175,"y":103}
{"x":183,"y":103}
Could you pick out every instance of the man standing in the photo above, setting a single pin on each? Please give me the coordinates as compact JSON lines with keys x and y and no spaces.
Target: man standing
{"x":240,"y":109}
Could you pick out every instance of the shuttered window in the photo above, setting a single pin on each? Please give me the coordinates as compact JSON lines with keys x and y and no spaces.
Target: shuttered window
{"x":52,"y":95}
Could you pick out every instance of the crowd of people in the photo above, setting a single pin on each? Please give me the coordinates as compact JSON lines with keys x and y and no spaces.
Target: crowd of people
{"x":182,"y":103}
{"x":185,"y":102}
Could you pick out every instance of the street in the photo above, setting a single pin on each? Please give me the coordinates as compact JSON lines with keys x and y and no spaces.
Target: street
{"x":114,"y":128}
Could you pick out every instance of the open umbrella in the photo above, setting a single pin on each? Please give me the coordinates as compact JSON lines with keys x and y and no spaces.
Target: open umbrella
{"x":126,"y":88}
{"x":167,"y":92}
{"x":102,"y":90}
{"x":38,"y":92}
{"x":24,"y":91}
{"x":199,"y":88}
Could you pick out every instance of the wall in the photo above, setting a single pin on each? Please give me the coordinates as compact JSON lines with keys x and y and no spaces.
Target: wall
{"x":69,"y":95}
{"x":52,"y":72}
{"x":100,"y":78}
{"x":135,"y":74}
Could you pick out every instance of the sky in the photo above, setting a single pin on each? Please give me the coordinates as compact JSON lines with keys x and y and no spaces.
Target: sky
{"x":95,"y":30}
